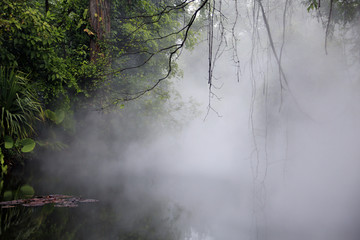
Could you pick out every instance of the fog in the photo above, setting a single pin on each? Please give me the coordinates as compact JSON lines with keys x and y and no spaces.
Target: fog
{"x":276,"y":164}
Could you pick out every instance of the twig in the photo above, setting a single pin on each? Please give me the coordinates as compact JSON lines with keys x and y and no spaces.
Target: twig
{"x":328,"y":25}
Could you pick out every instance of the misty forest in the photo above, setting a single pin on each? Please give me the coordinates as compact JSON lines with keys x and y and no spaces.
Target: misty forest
{"x":180,"y":119}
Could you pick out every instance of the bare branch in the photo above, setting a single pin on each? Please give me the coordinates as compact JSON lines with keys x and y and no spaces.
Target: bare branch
{"x":328,"y":25}
{"x":172,"y":54}
{"x":272,"y":44}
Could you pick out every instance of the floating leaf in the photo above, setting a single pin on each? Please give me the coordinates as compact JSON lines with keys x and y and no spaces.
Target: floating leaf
{"x":8,"y":195}
{"x":56,"y":199}
{"x":27,"y":191}
{"x":27,"y":145}
{"x":9,"y":142}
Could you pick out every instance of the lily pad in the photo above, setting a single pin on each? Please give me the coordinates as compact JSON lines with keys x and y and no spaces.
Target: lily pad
{"x":56,"y":200}
{"x":27,"y":191}
{"x":8,"y":195}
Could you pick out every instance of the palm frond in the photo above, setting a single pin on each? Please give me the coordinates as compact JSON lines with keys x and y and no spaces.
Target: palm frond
{"x":19,"y":104}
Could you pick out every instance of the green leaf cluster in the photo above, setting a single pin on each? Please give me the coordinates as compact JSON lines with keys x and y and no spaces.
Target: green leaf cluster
{"x":19,"y":104}
{"x":51,"y":47}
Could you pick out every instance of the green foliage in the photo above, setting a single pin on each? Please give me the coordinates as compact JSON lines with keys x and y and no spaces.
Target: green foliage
{"x":24,"y":145}
{"x":313,"y":4}
{"x":52,"y":47}
{"x":9,"y":142}
{"x":346,"y":11}
{"x":19,"y":104}
{"x":27,"y":145}
{"x":140,"y":45}
{"x":20,"y":110}
{"x":57,"y":117}
{"x":4,"y":169}
{"x":340,"y":19}
{"x":343,"y":12}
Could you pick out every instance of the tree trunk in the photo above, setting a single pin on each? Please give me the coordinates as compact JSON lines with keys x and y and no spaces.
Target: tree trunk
{"x":100,"y":24}
{"x":46,"y":6}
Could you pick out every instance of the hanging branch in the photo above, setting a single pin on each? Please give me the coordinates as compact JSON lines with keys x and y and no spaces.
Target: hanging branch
{"x":221,"y":46}
{"x":284,"y":31}
{"x":235,"y":56}
{"x":283,"y":43}
{"x":176,"y":48}
{"x":279,"y":63}
{"x":210,"y":42}
{"x":272,"y":45}
{"x":328,"y":25}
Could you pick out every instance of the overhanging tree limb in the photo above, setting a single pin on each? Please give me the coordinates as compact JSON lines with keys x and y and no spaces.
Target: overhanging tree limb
{"x":174,"y":49}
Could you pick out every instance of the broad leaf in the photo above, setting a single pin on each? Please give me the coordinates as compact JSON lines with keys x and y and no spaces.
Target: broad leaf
{"x":59,"y":115}
{"x":9,"y":142}
{"x":27,"y":145}
{"x":50,"y":115}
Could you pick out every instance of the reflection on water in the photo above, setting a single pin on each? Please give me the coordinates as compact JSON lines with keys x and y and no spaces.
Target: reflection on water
{"x":115,"y":216}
